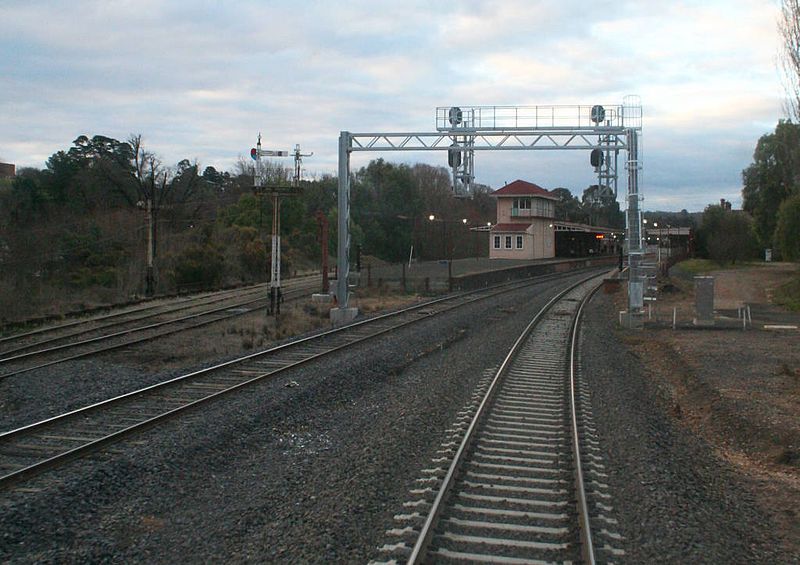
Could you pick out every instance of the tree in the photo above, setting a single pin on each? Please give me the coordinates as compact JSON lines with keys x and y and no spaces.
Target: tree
{"x":568,"y":207}
{"x":28,"y":198}
{"x":771,"y":178}
{"x":602,"y":208}
{"x":789,"y":27}
{"x":385,"y":198}
{"x":726,"y":235}
{"x":787,"y":232}
{"x":92,"y":174}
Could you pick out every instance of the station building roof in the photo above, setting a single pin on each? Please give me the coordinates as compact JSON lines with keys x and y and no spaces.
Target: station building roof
{"x":524,"y":188}
{"x":510,"y":227}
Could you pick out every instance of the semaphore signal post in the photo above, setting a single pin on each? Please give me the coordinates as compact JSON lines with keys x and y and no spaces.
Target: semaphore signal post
{"x":276,"y":191}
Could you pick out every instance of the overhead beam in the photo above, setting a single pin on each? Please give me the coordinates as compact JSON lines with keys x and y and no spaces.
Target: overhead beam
{"x":502,"y":140}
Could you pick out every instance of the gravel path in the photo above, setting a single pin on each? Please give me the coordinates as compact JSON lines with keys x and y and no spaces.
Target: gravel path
{"x":675,"y":500}
{"x":305,"y":473}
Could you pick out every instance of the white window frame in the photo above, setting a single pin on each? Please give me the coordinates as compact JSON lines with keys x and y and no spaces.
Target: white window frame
{"x":508,"y":242}
{"x":497,"y":242}
{"x":519,"y":242}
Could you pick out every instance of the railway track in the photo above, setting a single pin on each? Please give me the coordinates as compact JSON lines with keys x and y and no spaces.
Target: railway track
{"x":20,"y":354}
{"x":29,"y":450}
{"x":524,"y":484}
{"x":122,"y":315}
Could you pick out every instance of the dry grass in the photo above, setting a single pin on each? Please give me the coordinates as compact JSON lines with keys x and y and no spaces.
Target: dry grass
{"x":250,"y":332}
{"x":739,"y":391}
{"x":378,"y":299}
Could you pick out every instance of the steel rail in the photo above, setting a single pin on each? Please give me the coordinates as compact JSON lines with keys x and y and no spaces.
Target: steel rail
{"x":119,"y":333}
{"x":166,"y":310}
{"x":291,"y":344}
{"x":298,"y":292}
{"x":89,"y":447}
{"x":426,"y":533}
{"x":583,"y":505}
{"x":134,"y":310}
{"x":447,"y":483}
{"x":157,"y":310}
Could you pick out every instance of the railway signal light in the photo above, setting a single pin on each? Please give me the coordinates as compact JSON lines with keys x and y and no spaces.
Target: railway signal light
{"x":454,"y":155}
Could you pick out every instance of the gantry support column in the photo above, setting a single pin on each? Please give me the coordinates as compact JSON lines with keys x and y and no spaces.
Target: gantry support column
{"x":343,"y":313}
{"x":634,"y":223}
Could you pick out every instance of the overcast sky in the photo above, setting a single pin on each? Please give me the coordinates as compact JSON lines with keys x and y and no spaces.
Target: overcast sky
{"x":199,"y":79}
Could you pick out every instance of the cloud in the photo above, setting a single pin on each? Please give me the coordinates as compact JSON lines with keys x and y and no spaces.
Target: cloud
{"x":201,"y":79}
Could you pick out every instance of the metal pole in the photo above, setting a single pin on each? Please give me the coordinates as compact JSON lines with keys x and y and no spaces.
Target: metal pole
{"x":150,"y":279}
{"x":278,"y":294}
{"x":343,"y":252}
{"x":274,"y":274}
{"x":322,"y":219}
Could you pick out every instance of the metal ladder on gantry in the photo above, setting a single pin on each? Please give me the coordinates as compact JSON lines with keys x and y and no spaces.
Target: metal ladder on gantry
{"x":603,"y":130}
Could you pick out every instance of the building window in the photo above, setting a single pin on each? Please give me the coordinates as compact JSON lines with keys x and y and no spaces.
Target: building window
{"x":497,"y":242}
{"x":508,"y":242}
{"x":521,"y":207}
{"x":519,"y":242}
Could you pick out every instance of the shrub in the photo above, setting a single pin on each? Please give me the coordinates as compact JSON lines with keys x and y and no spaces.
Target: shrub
{"x":198,"y":266}
{"x":787,"y":232}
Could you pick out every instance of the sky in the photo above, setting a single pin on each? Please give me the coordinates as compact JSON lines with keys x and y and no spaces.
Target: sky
{"x":199,"y":80}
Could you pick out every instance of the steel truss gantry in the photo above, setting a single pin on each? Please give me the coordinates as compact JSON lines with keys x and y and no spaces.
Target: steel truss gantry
{"x":500,"y":140}
{"x":461,"y":131}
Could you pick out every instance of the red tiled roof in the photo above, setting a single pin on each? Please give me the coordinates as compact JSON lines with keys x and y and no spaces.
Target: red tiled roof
{"x":523,"y":188}
{"x":510,"y":227}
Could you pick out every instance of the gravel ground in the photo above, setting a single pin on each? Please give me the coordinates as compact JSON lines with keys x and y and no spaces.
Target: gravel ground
{"x":49,"y":391}
{"x":46,"y":392}
{"x":315,"y":472}
{"x":305,"y":473}
{"x":677,"y":502}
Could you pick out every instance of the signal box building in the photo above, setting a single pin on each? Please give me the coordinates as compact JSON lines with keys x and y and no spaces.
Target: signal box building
{"x":524,"y":228}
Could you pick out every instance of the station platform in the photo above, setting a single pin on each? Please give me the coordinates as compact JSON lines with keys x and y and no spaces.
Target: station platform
{"x":463,"y":274}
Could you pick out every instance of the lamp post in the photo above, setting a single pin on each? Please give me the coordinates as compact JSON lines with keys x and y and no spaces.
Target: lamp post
{"x":658,"y":243}
{"x":448,"y":248}
{"x":669,"y":242}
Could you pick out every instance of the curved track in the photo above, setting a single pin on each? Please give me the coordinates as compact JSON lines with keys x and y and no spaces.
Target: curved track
{"x":514,"y":491}
{"x":29,"y":450}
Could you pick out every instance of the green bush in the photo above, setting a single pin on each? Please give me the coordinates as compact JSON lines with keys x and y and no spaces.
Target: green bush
{"x":788,"y":295}
{"x":84,"y":277}
{"x":88,"y":258}
{"x":198,"y":266}
{"x":787,"y":232}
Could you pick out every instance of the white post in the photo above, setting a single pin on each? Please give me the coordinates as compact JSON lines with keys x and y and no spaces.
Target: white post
{"x":343,"y":259}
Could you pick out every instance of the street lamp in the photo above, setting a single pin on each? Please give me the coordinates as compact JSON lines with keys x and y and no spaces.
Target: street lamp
{"x":448,"y":252}
{"x":658,"y":243}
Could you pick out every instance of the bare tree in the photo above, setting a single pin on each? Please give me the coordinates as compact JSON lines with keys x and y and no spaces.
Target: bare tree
{"x":152,"y":183}
{"x":152,"y":178}
{"x":789,"y":27}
